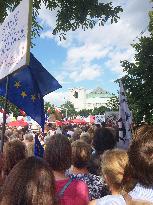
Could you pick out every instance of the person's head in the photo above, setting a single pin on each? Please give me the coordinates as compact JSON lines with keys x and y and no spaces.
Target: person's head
{"x":70,"y":128}
{"x":81,"y":153}
{"x":28,"y":137}
{"x":15,"y":133}
{"x":30,"y":182}
{"x":141,"y":159}
{"x":103,"y":124}
{"x":113,"y":166}
{"x":141,"y":130}
{"x":98,"y":126}
{"x":14,"y":151}
{"x":76,"y":135}
{"x":103,"y":140}
{"x":8,"y":133}
{"x":84,"y":128}
{"x":58,"y":152}
{"x":91,"y":131}
{"x":86,"y":137}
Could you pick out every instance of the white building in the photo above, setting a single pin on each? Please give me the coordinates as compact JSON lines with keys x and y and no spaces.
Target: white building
{"x":82,"y":99}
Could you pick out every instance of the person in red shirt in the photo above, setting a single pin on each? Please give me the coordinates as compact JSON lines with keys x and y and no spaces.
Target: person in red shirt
{"x":58,"y":154}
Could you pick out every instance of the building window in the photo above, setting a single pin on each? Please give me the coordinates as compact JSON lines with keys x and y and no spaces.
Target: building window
{"x":75,"y":94}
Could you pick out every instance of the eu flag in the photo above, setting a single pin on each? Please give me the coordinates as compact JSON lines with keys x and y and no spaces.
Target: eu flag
{"x":27,"y":87}
{"x":38,"y":148}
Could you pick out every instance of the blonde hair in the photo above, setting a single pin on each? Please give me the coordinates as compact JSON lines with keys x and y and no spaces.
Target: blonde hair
{"x":114,"y":163}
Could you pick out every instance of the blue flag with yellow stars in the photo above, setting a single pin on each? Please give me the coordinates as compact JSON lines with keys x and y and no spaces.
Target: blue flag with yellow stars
{"x":38,"y":148}
{"x":27,"y":87}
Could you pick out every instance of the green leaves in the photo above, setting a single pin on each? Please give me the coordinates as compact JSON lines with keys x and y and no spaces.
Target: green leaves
{"x":85,"y":13}
{"x":100,"y":110}
{"x":85,"y":112}
{"x":11,"y":108}
{"x":113,"y":103}
{"x":68,"y":108}
{"x":138,"y":80}
{"x":71,"y":14}
{"x":49,"y":109}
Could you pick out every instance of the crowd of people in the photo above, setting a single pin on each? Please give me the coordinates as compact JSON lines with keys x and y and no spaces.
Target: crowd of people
{"x":81,"y":165}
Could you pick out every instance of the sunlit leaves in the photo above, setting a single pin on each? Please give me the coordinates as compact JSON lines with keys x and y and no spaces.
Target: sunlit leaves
{"x":138,"y":81}
{"x":71,"y":14}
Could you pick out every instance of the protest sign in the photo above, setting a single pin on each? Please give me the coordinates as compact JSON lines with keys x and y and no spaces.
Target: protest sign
{"x":15,"y":39}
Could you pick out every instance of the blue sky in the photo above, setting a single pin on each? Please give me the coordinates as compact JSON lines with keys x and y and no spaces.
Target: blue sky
{"x":90,"y":58}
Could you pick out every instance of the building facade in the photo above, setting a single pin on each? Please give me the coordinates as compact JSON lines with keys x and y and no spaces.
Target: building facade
{"x":83,"y":99}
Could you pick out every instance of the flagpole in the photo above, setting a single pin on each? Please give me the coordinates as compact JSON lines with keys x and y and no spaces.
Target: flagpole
{"x":4,"y":113}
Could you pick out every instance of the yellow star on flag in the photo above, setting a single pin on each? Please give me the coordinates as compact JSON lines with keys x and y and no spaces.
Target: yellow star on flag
{"x":23,"y":94}
{"x":17,"y":84}
{"x":33,"y":98}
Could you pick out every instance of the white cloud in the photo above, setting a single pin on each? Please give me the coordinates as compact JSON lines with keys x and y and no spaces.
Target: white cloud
{"x":56,"y":97}
{"x":85,"y":53}
{"x":46,"y":34}
{"x":110,"y":43}
{"x":47,"y":16}
{"x":115,"y":57}
{"x":62,"y":78}
{"x":88,"y":72}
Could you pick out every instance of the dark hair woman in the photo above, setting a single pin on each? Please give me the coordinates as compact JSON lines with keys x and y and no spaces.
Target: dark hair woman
{"x":30,"y":182}
{"x":14,"y":151}
{"x":103,"y":140}
{"x":58,"y":154}
{"x":81,"y":154}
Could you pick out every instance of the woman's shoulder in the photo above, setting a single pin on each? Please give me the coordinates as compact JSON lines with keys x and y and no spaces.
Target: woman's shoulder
{"x":78,"y":183}
{"x":111,"y":200}
{"x":97,"y":178}
{"x":142,"y":193}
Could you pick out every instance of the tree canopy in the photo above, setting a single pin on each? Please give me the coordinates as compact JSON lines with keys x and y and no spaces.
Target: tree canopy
{"x":138,"y":80}
{"x":68,"y":108}
{"x":113,"y":103}
{"x":11,"y":108}
{"x":100,"y":110}
{"x":71,"y":14}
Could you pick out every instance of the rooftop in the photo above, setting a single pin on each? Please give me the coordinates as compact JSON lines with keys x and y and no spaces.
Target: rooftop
{"x":99,"y":92}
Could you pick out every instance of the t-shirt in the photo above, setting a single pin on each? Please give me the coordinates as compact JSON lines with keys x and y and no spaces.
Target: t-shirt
{"x":142,"y":193}
{"x":76,"y":193}
{"x":70,"y":133}
{"x":111,"y":200}
{"x":96,"y":185}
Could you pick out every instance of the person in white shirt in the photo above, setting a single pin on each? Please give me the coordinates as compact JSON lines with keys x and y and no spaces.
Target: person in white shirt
{"x":141,"y":166}
{"x":113,"y":164}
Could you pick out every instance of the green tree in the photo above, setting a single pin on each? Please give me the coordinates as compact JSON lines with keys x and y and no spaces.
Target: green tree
{"x":11,"y":108}
{"x":85,"y":112}
{"x":71,"y":14}
{"x":113,"y":103}
{"x":100,"y":110}
{"x":68,"y":108}
{"x":138,"y":80}
{"x":49,"y":107}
